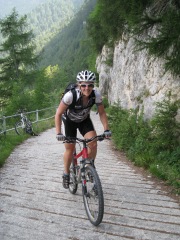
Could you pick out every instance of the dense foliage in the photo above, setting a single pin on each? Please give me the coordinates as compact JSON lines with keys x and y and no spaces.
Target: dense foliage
{"x":71,"y":48}
{"x":38,"y":88}
{"x":19,"y":59}
{"x":50,"y":18}
{"x":111,"y":19}
{"x":153,"y":144}
{"x":165,"y":18}
{"x":46,"y":19}
{"x":45,"y":92}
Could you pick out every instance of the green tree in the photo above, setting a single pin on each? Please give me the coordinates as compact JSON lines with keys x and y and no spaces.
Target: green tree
{"x":18,"y":50}
{"x":165,"y":17}
{"x":49,"y":86}
{"x":110,"y":19}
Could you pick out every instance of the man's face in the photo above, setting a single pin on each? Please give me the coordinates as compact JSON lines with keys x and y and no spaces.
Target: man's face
{"x":86,"y":88}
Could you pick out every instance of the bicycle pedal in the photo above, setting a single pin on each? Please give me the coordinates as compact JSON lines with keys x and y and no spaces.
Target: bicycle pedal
{"x":88,"y":194}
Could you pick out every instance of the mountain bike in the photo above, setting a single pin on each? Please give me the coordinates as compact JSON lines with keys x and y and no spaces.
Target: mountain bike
{"x":83,"y":172}
{"x":24,"y":125}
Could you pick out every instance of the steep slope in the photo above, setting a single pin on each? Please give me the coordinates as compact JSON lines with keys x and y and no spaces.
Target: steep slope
{"x":136,"y":80}
{"x":45,"y":20}
{"x":50,"y":18}
{"x":70,"y":48}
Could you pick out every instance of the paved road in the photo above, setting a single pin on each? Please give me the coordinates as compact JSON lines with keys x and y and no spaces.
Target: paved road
{"x":33,"y":204}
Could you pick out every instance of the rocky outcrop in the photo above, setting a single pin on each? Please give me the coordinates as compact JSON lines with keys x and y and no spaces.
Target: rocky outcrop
{"x":135,"y":79}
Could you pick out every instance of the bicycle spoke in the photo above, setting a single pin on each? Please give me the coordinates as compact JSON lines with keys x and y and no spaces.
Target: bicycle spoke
{"x":93,"y":204}
{"x":73,"y":185}
{"x":93,"y":198}
{"x":19,"y":128}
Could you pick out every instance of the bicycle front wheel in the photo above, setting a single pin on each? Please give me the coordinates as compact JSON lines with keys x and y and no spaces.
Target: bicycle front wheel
{"x":19,"y":128}
{"x":93,"y":196}
{"x":73,"y":185}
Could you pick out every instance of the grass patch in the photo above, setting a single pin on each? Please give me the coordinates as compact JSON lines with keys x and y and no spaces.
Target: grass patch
{"x":9,"y":141}
{"x":7,"y":145}
{"x":167,"y":173}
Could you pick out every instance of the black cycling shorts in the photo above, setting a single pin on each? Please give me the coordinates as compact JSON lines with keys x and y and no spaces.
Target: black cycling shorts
{"x":71,"y":127}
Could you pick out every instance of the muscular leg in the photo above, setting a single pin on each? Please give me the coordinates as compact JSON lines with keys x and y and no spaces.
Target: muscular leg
{"x":68,"y":156}
{"x":92,"y":146}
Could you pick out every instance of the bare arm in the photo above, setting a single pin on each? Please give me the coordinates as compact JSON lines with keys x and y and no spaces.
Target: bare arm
{"x":58,"y":117}
{"x":103,"y":117}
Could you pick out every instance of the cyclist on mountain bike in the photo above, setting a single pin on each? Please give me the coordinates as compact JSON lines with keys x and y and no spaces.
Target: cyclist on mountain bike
{"x":78,"y":117}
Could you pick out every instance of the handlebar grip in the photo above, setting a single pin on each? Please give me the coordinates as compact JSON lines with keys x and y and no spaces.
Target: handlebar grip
{"x":69,"y":140}
{"x":101,"y":137}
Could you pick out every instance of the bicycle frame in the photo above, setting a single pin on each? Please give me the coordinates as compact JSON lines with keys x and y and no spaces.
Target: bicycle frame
{"x":84,"y":154}
{"x":23,"y":119}
{"x":84,"y":151}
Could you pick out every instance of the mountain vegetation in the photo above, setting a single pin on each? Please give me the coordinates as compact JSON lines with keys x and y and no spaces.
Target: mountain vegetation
{"x":49,"y":18}
{"x":20,"y":58}
{"x":71,"y":48}
{"x":14,"y":49}
{"x":111,"y":19}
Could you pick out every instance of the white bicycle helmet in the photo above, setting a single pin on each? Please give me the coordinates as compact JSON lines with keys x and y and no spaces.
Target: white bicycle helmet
{"x":86,"y":76}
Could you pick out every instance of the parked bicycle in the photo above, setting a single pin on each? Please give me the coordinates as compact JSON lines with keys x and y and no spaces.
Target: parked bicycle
{"x":24,"y":125}
{"x":84,"y":172}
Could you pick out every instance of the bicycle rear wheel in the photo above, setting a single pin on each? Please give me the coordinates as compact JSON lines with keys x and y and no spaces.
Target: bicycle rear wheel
{"x":19,"y":128}
{"x":93,"y":196}
{"x":29,"y":128}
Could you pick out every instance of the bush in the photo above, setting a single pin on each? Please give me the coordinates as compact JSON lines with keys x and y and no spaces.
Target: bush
{"x":150,"y":143}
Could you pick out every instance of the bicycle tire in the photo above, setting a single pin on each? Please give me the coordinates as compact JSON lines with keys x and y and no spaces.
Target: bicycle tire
{"x":73,"y":185}
{"x":28,"y":127}
{"x":20,"y":130}
{"x":93,"y":196}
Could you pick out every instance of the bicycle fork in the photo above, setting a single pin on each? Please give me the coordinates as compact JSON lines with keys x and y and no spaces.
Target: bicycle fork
{"x":83,"y":178}
{"x":83,"y":164}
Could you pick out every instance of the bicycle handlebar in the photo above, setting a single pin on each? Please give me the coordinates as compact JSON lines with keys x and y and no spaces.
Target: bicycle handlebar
{"x":74,"y":139}
{"x":21,"y":111}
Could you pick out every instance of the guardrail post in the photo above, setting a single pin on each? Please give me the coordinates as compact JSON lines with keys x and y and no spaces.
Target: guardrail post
{"x":4,"y":124}
{"x":37,"y":116}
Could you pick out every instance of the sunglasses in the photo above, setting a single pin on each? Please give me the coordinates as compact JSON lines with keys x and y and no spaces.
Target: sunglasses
{"x":87,"y":85}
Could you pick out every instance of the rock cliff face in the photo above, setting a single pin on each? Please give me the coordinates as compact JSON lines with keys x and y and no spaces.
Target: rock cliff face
{"x":135,"y":79}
